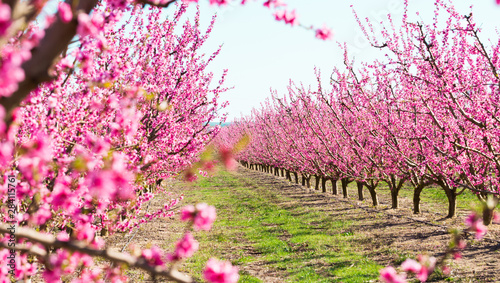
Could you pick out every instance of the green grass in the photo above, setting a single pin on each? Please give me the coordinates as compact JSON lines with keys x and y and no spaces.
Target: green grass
{"x":301,"y":243}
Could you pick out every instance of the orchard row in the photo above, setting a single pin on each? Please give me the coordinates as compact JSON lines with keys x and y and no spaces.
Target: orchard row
{"x":426,"y":114}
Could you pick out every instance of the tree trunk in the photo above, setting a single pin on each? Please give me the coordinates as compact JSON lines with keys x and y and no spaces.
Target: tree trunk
{"x":394,"y":198}
{"x":416,"y":199}
{"x":316,"y":179}
{"x":276,"y":173}
{"x":296,"y":177}
{"x":303,"y":180}
{"x":373,"y":194}
{"x":334,"y":187}
{"x":345,"y":182}
{"x":360,"y":190}
{"x":323,"y":184}
{"x":282,"y":172}
{"x":451,"y":194}
{"x":308,"y":182}
{"x":395,"y":185}
{"x":488,"y":215}
{"x":288,"y":176}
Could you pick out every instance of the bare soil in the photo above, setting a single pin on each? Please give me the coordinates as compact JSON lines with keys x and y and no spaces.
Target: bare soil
{"x":390,"y":234}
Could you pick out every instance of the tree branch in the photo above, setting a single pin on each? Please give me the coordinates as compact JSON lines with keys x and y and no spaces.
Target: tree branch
{"x":48,"y":241}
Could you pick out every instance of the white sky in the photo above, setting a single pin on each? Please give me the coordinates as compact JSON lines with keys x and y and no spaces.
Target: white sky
{"x":261,"y":53}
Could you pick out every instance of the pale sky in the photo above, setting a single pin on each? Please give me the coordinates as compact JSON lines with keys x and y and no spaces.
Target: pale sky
{"x":261,"y":53}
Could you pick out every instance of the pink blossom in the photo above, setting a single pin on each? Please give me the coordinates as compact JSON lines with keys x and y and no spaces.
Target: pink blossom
{"x":202,"y":215}
{"x":65,"y":12}
{"x":63,"y":236}
{"x":389,"y":275}
{"x":154,"y":256}
{"x":219,"y":2}
{"x":475,"y":224}
{"x":188,"y":213}
{"x":410,"y":265}
{"x":4,"y":18}
{"x":279,"y":15}
{"x":220,"y":272}
{"x":89,"y":26}
{"x":275,"y":3}
{"x":291,"y":18}
{"x":496,"y":215}
{"x":205,"y":217}
{"x":11,"y":72}
{"x":427,"y":267}
{"x":6,"y":153}
{"x":185,"y":248}
{"x":85,"y":233}
{"x":324,"y":33}
{"x":227,"y":157}
{"x":42,"y":215}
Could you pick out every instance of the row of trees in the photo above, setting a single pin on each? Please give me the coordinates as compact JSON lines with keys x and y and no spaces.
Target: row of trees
{"x":128,"y":108}
{"x":99,"y":102}
{"x":427,"y":114}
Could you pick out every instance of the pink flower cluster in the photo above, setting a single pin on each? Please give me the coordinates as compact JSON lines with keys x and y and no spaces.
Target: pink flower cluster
{"x":421,"y":268}
{"x":185,"y":248}
{"x":212,"y":2}
{"x":324,"y":33}
{"x":220,"y":272}
{"x":65,"y":12}
{"x":4,"y":18}
{"x":289,"y":17}
{"x":475,"y":224}
{"x":11,"y":59}
{"x":202,"y":216}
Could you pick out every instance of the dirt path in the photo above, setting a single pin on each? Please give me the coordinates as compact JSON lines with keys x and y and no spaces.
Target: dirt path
{"x":404,"y":233}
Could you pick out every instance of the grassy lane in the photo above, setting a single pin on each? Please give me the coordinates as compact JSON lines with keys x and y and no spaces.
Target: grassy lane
{"x":257,"y":228}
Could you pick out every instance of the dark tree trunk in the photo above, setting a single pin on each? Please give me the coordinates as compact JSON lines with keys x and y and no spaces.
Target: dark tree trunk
{"x":296,"y":177}
{"x":288,"y":176}
{"x":451,"y":194}
{"x":303,"y":180}
{"x":316,"y":179}
{"x":308,"y":182}
{"x":395,"y":186}
{"x":373,"y":193}
{"x":416,"y":199}
{"x":394,"y":198}
{"x":323,"y":184}
{"x":360,"y":190}
{"x":334,"y":187}
{"x":282,"y":172}
{"x":345,"y":182}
